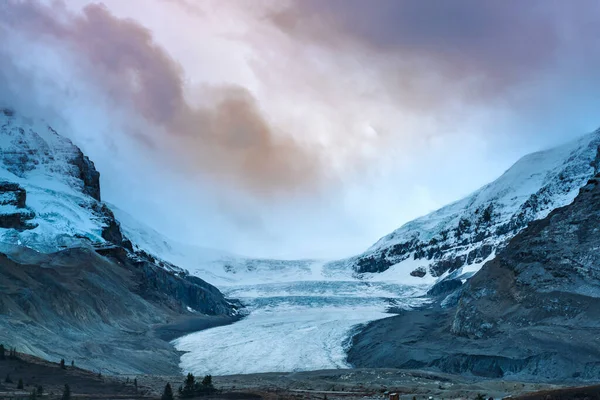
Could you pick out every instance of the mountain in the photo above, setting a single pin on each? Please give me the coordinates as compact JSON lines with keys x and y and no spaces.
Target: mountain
{"x":71,"y":284}
{"x":463,"y":235}
{"x":49,"y":190}
{"x":531,"y":313}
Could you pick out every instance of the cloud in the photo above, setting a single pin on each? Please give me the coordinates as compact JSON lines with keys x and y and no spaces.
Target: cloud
{"x":229,"y":138}
{"x":442,"y":50}
{"x":300,"y":127}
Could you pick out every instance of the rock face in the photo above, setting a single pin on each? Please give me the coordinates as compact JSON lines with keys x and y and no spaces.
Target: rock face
{"x":470,"y":231}
{"x":531,"y":313}
{"x":548,"y":275}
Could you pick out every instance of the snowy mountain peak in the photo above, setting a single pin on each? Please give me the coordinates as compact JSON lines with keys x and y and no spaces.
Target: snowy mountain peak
{"x":31,"y":149}
{"x":462,"y":235}
{"x":49,"y":190}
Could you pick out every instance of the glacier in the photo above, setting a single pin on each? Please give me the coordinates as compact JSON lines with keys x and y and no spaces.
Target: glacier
{"x":293,"y":326}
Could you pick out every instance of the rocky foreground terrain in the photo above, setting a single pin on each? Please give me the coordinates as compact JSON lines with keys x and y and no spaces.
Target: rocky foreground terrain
{"x":531,"y":313}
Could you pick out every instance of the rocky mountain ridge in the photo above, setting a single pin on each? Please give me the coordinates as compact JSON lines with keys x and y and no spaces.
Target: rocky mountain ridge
{"x":461,"y":236}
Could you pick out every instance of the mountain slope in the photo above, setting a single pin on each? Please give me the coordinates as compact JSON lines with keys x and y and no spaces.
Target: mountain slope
{"x":470,"y":231}
{"x":531,"y":313}
{"x":71,"y":284}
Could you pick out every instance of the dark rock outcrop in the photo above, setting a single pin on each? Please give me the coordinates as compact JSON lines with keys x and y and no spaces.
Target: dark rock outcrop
{"x":88,"y":175}
{"x":445,"y":287}
{"x":13,"y":211}
{"x":419,"y":272}
{"x":11,"y":194}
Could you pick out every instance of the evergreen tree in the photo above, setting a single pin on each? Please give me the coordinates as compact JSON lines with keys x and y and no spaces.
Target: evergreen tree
{"x":135,"y":383}
{"x":33,"y":395}
{"x":62,"y":363}
{"x":66,"y":393}
{"x":12,"y":354}
{"x":207,"y":381}
{"x":168,"y":393}
{"x":20,"y":384}
{"x":2,"y":352}
{"x":189,"y":387}
{"x":40,"y":390}
{"x":73,"y":363}
{"x":7,"y":379}
{"x":207,"y":385}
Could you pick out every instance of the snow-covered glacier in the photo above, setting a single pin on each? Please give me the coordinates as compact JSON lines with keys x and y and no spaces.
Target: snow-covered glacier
{"x":293,"y":326}
{"x":301,"y":313}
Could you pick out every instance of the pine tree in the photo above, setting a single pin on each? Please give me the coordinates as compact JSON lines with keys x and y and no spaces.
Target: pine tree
{"x":40,"y":390}
{"x":20,"y":384}
{"x":7,"y":379}
{"x":73,"y":363}
{"x":135,"y":383}
{"x":168,"y":393}
{"x":66,"y":393}
{"x":207,"y":381}
{"x":207,"y":385}
{"x":12,"y":354}
{"x":189,"y":387}
{"x":62,"y":363}
{"x":2,"y":352}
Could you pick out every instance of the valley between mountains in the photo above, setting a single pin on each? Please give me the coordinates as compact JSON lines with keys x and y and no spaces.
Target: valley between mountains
{"x":500,"y":284}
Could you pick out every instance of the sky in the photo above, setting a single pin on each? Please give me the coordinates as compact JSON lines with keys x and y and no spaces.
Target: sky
{"x":300,"y":128}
